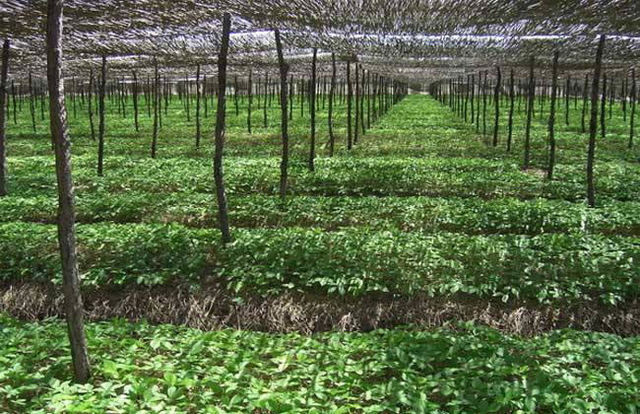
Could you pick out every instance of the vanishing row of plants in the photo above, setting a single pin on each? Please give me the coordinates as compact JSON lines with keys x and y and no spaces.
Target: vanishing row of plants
{"x":426,"y":214}
{"x":376,"y":176}
{"x":549,"y":268}
{"x":143,"y":368}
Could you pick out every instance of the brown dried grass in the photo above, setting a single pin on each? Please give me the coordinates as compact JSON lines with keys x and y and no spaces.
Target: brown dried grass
{"x":213,"y":308}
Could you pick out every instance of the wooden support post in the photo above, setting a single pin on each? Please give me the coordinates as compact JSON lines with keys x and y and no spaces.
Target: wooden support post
{"x":284,"y":69}
{"x":585,"y":93}
{"x":198,"y":134}
{"x":604,"y":106}
{"x":74,"y":309}
{"x":312,"y":149}
{"x":135,"y":101}
{"x":357,"y":109}
{"x":90,"y":104}
{"x":567,"y":95}
{"x":496,"y":102}
{"x":103,"y":82}
{"x":527,"y":136}
{"x":250,"y":100}
{"x":223,"y":210}
{"x":349,"y":94}
{"x":484,"y":104}
{"x":32,"y":107}
{"x":156,"y":99}
{"x":552,"y":116}
{"x":634,"y":95}
{"x":332,"y":89}
{"x":266,"y":96}
{"x":511,"y":108}
{"x":3,"y":116}
{"x":593,"y":125}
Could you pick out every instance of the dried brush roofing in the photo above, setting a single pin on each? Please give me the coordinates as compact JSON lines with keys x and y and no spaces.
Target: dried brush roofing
{"x":419,"y":40}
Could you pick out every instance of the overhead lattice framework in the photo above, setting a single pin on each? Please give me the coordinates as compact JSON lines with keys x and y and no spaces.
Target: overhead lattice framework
{"x":419,"y":40}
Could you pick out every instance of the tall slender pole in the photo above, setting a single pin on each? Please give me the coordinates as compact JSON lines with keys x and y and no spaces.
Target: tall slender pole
{"x":332,"y":138}
{"x":484,"y":104}
{"x":349,"y":94}
{"x":74,"y":309}
{"x":634,"y":96}
{"x":3,"y":116}
{"x":312,"y":150}
{"x":266,"y":96}
{"x":566,"y":100}
{"x":603,"y":109}
{"x":527,"y":136}
{"x":511,"y":107}
{"x":249,"y":101}
{"x":223,"y":211}
{"x":103,"y":82}
{"x":156,"y":99}
{"x":552,"y":116}
{"x":593,"y":125}
{"x":585,"y":94}
{"x":496,"y":102}
{"x":32,"y":107}
{"x":198,"y":106}
{"x":135,"y":101}
{"x":90,"y":105}
{"x":284,"y":69}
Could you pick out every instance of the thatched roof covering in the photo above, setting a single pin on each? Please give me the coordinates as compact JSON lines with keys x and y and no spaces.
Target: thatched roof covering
{"x":421,"y":40}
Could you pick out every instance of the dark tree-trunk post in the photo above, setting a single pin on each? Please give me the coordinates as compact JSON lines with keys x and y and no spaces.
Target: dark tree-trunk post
{"x":332,"y":138}
{"x":148,"y":96}
{"x":301,"y":95}
{"x":566,"y":92}
{"x":103,"y":82}
{"x":634,"y":96}
{"x":187,"y":86}
{"x":466,"y":99}
{"x":249,"y":101}
{"x":291,"y":98}
{"x":312,"y":150}
{"x":135,"y":101}
{"x":593,"y":125}
{"x":604,"y":106}
{"x":74,"y":310}
{"x":473,"y":92}
{"x":368,"y":99}
{"x":160,"y":93}
{"x":552,"y":116}
{"x":362,"y":85}
{"x":198,"y":106}
{"x":223,"y":210}
{"x":13,"y":96}
{"x":32,"y":105}
{"x":3,"y":116}
{"x":527,"y":136}
{"x":235,"y":94}
{"x":349,"y":94}
{"x":90,"y":105}
{"x":585,"y":93}
{"x":357,"y":109}
{"x":156,"y":99}
{"x":511,"y":107}
{"x":204,"y":97}
{"x":496,"y":101}
{"x":266,"y":96}
{"x":612,"y":96}
{"x":284,"y":69}
{"x":484,"y":104}
{"x":167,"y":95}
{"x":625,"y":94}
